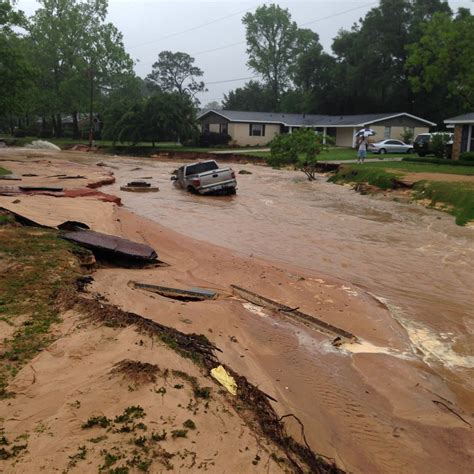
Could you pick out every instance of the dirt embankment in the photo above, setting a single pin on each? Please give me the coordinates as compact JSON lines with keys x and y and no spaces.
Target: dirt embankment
{"x":370,"y":406}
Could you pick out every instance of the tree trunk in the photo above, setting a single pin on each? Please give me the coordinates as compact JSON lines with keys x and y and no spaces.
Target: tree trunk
{"x":75,"y":126}
{"x":59,"y":126}
{"x":53,"y":123}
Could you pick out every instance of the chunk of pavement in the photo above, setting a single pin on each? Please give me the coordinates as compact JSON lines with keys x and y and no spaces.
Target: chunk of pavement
{"x":194,"y":294}
{"x":111,"y":245}
{"x":73,"y":226}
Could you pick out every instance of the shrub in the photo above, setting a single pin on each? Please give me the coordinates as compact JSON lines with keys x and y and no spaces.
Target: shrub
{"x":19,"y":134}
{"x":44,"y":133}
{"x":438,"y":144}
{"x":407,"y":135}
{"x":210,"y":139}
{"x":467,"y":156}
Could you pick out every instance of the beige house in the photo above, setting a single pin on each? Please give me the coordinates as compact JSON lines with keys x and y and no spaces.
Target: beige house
{"x":258,"y":128}
{"x":463,"y":133}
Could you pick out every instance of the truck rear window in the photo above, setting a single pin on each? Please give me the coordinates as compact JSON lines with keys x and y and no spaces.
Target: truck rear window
{"x":422,"y":139}
{"x":201,"y":168}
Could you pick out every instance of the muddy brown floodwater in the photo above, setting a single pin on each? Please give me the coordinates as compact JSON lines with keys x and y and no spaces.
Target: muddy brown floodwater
{"x":375,"y":413}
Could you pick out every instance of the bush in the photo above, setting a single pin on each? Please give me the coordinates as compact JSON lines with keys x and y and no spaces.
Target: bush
{"x":407,"y":135}
{"x":467,"y":156}
{"x":210,"y":139}
{"x":43,"y":133}
{"x":439,"y":144}
{"x":19,"y":134}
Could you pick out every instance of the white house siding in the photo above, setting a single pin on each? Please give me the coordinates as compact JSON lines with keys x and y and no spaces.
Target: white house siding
{"x":240,"y":134}
{"x":344,"y":136}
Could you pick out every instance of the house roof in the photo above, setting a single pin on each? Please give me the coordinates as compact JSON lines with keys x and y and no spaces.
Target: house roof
{"x":308,"y":120}
{"x":464,"y":118}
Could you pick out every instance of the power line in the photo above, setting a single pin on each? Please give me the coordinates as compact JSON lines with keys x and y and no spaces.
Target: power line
{"x":338,"y":14}
{"x":302,"y":24}
{"x":231,"y":80}
{"x":192,"y":28}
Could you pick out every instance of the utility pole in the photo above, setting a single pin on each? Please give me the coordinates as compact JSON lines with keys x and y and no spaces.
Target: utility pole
{"x":91,"y":118}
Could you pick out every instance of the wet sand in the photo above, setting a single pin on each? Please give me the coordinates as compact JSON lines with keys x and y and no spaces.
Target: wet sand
{"x":369,"y":406}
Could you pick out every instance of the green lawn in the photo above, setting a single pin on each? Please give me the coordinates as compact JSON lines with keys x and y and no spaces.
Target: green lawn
{"x":339,"y":154}
{"x":3,"y":171}
{"x":457,"y":198}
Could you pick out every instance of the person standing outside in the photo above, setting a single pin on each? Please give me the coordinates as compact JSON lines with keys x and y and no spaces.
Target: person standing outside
{"x":362,"y":150}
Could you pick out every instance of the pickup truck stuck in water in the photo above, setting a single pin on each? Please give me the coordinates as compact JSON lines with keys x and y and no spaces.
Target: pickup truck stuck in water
{"x":206,"y":177}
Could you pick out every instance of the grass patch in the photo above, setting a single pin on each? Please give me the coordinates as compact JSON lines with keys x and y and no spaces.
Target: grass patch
{"x":412,"y":167}
{"x":4,"y":171}
{"x":457,"y":198}
{"x":36,"y":265}
{"x":365,"y":174}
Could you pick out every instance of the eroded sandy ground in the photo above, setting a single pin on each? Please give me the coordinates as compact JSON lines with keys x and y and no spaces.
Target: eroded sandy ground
{"x":369,"y":406}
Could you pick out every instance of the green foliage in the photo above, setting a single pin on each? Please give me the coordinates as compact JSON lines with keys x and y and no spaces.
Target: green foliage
{"x":443,"y":57}
{"x":458,"y":198}
{"x":443,"y":161}
{"x":407,"y":135}
{"x":300,"y":148}
{"x":376,"y":177}
{"x":189,"y":424}
{"x":130,"y":414}
{"x":467,"y":156}
{"x":175,"y":72}
{"x":253,"y":96}
{"x":179,"y":433}
{"x":273,"y":44}
{"x":438,"y":144}
{"x":101,"y":421}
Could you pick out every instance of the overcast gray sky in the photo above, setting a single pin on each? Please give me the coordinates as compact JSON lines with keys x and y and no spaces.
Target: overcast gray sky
{"x":151,"y":26}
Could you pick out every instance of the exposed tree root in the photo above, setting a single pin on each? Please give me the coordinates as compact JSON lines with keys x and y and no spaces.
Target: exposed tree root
{"x":251,"y":403}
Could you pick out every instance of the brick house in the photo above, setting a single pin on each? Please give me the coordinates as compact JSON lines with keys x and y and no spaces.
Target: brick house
{"x":463,"y":133}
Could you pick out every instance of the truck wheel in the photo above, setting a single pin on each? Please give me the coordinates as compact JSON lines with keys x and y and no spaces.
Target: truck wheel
{"x":192,"y":190}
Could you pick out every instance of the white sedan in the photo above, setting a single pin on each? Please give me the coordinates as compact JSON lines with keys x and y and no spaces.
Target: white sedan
{"x":390,"y":146}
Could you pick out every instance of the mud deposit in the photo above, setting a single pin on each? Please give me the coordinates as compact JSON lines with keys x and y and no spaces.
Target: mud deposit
{"x":396,"y":275}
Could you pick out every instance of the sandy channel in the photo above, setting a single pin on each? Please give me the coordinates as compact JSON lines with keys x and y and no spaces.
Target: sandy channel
{"x":368,"y":406}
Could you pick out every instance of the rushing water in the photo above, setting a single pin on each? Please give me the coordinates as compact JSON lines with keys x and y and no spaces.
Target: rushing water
{"x":414,"y":258}
{"x":416,"y":261}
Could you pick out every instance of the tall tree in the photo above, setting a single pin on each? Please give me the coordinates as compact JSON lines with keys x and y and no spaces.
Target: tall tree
{"x":77,"y":54}
{"x":273,"y":44}
{"x":175,"y":72}
{"x":252,"y":96}
{"x":15,"y":71}
{"x":443,"y":58}
{"x":371,"y":56}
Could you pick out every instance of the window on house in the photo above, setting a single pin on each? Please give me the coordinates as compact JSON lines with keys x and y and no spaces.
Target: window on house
{"x":205,"y":127}
{"x":386,"y":133}
{"x":223,"y":128}
{"x":257,"y":130}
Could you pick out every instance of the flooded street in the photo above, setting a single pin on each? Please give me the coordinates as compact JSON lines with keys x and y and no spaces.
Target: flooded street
{"x":414,"y":258}
{"x":397,"y":275}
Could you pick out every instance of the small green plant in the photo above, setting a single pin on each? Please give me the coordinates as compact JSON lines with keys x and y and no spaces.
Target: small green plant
{"x":202,"y":392}
{"x":179,"y":433}
{"x":158,"y":436}
{"x":407,"y":135}
{"x":101,"y":421}
{"x":98,"y":439}
{"x":81,"y":454}
{"x":189,"y":424}
{"x":129,"y":414}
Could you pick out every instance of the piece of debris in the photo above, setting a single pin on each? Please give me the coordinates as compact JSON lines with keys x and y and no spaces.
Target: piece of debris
{"x":42,"y":145}
{"x":73,"y":177}
{"x":83,"y":281}
{"x":194,"y":294}
{"x":135,"y":169}
{"x":51,"y":189}
{"x":221,"y":375}
{"x":16,"y":201}
{"x":139,"y":187}
{"x":73,"y":226}
{"x":112,"y":246}
{"x":22,"y":219}
{"x":29,"y":175}
{"x":293,"y":313}
{"x":245,"y":172}
{"x":10,"y":177}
